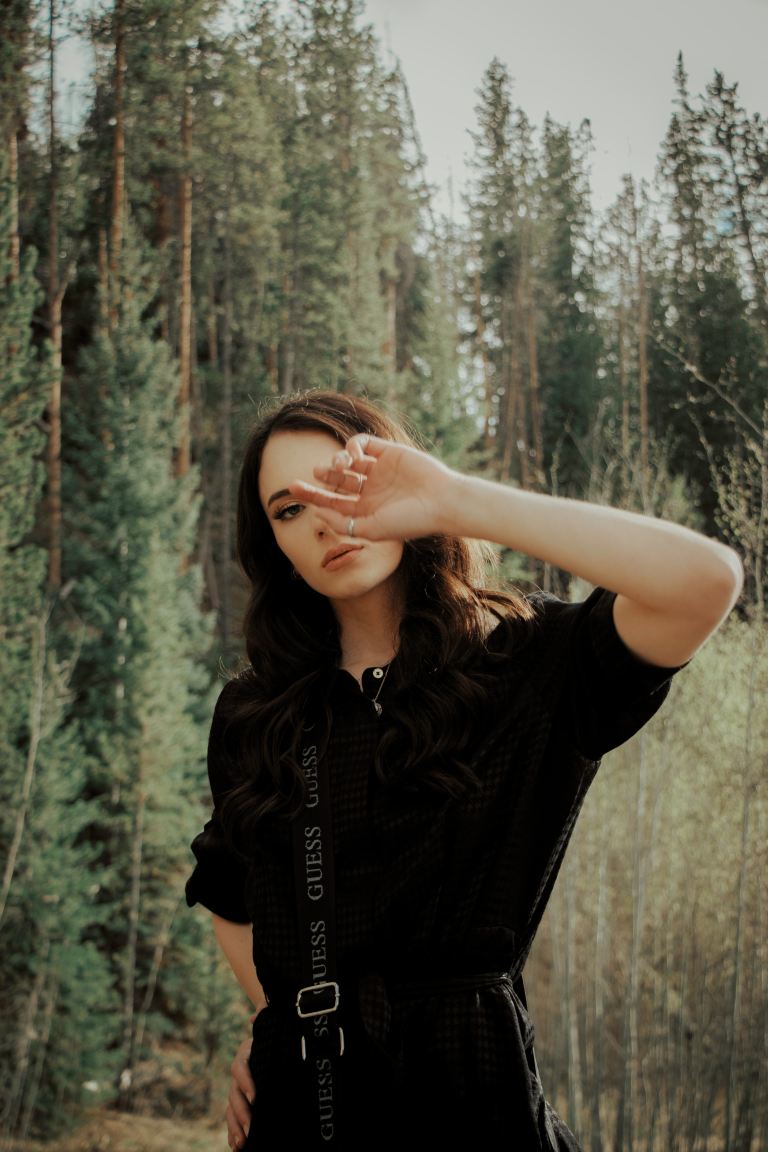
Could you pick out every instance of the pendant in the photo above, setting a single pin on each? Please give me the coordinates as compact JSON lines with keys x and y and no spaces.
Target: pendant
{"x":377,"y":707}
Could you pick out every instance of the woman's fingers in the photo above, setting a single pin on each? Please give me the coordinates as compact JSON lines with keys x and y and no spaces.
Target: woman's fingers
{"x":351,"y":466}
{"x":242,"y":1092}
{"x":237,"y":1133}
{"x":343,"y":480}
{"x":323,"y":498}
{"x":357,"y":447}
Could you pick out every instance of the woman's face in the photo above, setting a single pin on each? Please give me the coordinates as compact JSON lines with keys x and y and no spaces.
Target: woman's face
{"x":335,"y":566}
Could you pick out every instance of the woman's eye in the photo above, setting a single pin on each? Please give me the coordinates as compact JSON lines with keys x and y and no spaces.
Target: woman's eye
{"x":288,"y":512}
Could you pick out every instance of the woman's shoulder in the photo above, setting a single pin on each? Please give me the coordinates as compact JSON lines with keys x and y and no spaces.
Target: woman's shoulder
{"x":545,"y":621}
{"x":235,"y":689}
{"x":515,"y":623}
{"x":237,"y":681}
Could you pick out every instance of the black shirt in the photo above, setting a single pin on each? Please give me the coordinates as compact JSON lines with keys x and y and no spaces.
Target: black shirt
{"x":429,"y":885}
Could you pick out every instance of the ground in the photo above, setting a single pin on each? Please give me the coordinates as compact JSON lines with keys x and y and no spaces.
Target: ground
{"x":106,"y":1131}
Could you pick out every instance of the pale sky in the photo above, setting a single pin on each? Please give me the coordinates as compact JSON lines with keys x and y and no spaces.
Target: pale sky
{"x":609,"y":61}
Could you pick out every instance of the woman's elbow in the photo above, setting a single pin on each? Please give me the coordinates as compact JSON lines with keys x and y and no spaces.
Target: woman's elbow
{"x":721,"y":589}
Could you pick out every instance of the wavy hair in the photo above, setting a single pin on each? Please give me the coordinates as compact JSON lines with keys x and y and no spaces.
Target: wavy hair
{"x":292,"y":640}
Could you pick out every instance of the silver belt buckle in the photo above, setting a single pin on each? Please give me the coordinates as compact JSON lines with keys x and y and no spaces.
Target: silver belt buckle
{"x":305,"y":1014}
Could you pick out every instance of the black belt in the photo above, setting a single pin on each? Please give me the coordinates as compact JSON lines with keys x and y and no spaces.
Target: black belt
{"x":444,"y":985}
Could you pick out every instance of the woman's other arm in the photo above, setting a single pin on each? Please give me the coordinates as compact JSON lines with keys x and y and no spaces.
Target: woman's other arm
{"x":236,"y":942}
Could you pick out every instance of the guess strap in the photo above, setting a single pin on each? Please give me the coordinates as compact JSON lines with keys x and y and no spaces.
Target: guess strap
{"x":317,"y":1001}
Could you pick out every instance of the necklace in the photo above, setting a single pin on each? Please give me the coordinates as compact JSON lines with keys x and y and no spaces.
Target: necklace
{"x":384,"y":672}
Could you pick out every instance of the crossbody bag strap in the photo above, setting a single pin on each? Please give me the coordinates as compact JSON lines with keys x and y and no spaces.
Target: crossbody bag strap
{"x":317,"y":1001}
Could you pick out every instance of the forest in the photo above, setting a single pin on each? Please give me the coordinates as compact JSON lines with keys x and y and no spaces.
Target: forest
{"x":244,"y":213}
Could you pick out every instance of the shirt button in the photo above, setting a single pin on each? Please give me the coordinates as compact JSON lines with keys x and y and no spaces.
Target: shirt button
{"x":378,"y":673}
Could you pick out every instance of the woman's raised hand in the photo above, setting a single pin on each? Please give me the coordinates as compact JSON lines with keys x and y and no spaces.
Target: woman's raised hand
{"x":392,"y":491}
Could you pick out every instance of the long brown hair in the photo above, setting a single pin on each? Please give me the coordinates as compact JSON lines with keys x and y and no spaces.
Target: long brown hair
{"x":292,"y":639}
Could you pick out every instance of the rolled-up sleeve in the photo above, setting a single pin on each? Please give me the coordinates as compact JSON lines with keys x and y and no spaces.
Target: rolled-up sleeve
{"x":218,"y":881}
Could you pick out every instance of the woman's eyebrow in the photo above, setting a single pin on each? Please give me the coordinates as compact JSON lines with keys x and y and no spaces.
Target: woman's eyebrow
{"x":277,"y":495}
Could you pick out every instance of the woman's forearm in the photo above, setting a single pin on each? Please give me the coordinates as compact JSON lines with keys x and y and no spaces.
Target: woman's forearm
{"x":674,"y":578}
{"x":236,"y":942}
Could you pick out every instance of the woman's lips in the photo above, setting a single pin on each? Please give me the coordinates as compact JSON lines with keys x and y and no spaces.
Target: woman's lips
{"x":337,"y":557}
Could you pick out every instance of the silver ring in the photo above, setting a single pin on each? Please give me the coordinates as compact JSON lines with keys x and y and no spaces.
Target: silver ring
{"x":351,"y":526}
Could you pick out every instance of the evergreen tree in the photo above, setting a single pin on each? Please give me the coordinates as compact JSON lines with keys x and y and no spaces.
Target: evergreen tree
{"x":49,"y":974}
{"x":741,"y":142}
{"x":495,"y":204}
{"x":711,"y":347}
{"x":349,"y":209}
{"x":139,"y":678}
{"x":569,"y":351}
{"x":631,"y":261}
{"x":237,"y":281}
{"x":433,"y":389}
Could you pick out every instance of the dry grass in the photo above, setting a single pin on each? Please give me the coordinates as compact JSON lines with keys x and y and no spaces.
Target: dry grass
{"x":106,"y":1131}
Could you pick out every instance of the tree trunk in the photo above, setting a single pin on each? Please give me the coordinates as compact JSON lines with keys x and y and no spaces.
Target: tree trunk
{"x":509,"y":395}
{"x":54,"y":318}
{"x":118,"y":181}
{"x":642,"y":353}
{"x":735,"y":993}
{"x":212,"y":326}
{"x":225,"y":582}
{"x":486,"y":371}
{"x":39,"y":646}
{"x":24,"y":1040}
{"x":131,"y":944}
{"x":535,"y":394}
{"x":183,"y":451}
{"x":161,"y":943}
{"x":14,"y":243}
{"x":624,"y":389}
{"x":625,"y":1121}
{"x":575,"y":1095}
{"x":102,"y":263}
{"x":43,"y":1040}
{"x":390,"y":345}
{"x":521,"y":422}
{"x":288,"y":340}
{"x":602,"y":942}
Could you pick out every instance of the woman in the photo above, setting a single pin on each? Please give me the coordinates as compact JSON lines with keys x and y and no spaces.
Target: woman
{"x":451,"y":732}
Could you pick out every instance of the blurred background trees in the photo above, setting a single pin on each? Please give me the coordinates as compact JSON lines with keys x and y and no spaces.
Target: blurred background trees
{"x":244,"y":212}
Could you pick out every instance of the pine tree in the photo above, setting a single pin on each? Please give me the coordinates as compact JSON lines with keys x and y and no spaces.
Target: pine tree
{"x":569,"y":350}
{"x":711,"y":332}
{"x":631,"y":261}
{"x":45,"y":908}
{"x":237,"y":274}
{"x":495,"y":207}
{"x":139,"y":678}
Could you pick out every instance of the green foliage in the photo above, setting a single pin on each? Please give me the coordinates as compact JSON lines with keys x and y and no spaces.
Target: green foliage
{"x":531,"y":290}
{"x":51,"y":975}
{"x":566,"y":297}
{"x":713,"y":342}
{"x":516,"y":346}
{"x":138,"y":680}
